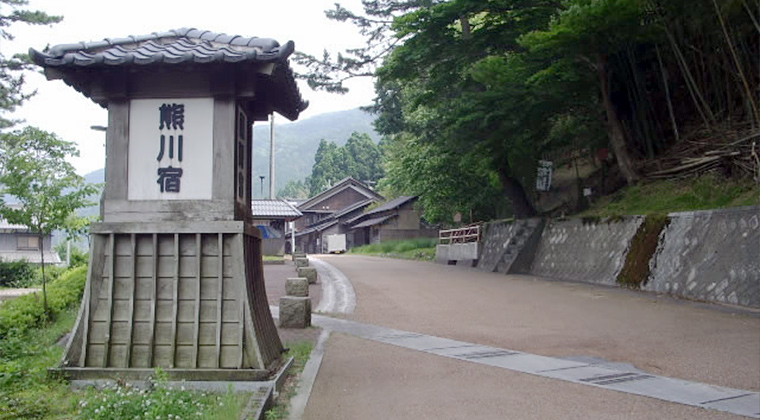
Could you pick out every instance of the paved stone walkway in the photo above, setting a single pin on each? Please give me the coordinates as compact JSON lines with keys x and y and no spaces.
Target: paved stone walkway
{"x":601,"y":375}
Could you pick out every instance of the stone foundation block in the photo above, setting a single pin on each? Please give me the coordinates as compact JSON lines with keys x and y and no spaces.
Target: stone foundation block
{"x":298,"y":287}
{"x":295,"y":312}
{"x":310,"y":273}
{"x":302,"y":262}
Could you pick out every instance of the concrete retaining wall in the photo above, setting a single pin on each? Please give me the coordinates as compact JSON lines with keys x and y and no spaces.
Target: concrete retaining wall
{"x":706,"y":255}
{"x":587,"y":251}
{"x":457,"y":252}
{"x":495,"y":243}
{"x":711,"y":256}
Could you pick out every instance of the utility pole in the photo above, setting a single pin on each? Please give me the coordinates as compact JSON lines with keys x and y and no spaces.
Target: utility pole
{"x":271,"y":157}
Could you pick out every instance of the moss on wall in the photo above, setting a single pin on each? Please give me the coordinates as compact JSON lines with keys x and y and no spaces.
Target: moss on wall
{"x":635,"y":271}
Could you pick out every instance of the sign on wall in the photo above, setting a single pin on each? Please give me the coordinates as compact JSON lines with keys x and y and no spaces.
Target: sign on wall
{"x":170,"y":149}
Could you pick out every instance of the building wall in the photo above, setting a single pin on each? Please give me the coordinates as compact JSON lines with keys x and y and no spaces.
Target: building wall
{"x":7,"y":241}
{"x":408,"y":218}
{"x":341,"y":200}
{"x":273,"y":246}
{"x":9,"y":244}
{"x":308,"y":219}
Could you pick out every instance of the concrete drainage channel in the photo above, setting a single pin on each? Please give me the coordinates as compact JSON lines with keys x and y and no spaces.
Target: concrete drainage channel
{"x":337,"y":292}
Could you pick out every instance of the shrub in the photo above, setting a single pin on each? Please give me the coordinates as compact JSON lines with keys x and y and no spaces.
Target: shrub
{"x":26,"y":312}
{"x":16,"y":273}
{"x":416,"y":248}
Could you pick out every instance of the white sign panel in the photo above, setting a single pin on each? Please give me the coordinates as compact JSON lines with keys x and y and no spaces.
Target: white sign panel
{"x":170,"y":149}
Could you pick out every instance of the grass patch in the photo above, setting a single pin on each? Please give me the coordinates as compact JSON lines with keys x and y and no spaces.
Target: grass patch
{"x":421,"y":249}
{"x":300,"y":352}
{"x":26,"y":390}
{"x":162,"y":401}
{"x":26,"y":312}
{"x":661,"y":197}
{"x":273,"y":258}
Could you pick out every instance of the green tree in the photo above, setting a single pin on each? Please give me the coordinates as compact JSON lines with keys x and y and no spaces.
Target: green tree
{"x":34,"y":170}
{"x":359,"y":158}
{"x":502,"y":82}
{"x":11,"y":77}
{"x":326,"y":169}
{"x":589,"y":32}
{"x":329,"y":71}
{"x":297,"y":189}
{"x":446,"y":181}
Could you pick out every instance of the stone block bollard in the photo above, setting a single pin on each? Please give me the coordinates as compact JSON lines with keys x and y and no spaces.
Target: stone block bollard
{"x":310,"y":273}
{"x":298,"y":255}
{"x":302,"y":262}
{"x":295,"y":312}
{"x":297,"y":287}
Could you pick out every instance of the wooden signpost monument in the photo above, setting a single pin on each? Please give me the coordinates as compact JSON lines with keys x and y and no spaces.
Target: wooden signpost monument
{"x":175,"y":278}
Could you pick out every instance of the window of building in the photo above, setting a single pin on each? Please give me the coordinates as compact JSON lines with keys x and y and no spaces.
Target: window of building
{"x":28,"y":242}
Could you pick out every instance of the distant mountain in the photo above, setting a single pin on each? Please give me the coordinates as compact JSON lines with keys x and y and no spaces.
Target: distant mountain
{"x":295,"y":146}
{"x":96,"y":177}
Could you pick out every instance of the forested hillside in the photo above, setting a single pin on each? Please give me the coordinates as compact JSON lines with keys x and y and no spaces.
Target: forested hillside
{"x":472,"y":94}
{"x":296,"y":144}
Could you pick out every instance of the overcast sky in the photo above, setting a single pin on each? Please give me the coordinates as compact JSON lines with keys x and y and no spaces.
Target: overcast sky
{"x":60,"y":109}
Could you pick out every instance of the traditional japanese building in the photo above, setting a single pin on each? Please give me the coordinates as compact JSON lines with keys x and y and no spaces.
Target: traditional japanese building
{"x":394,"y":220}
{"x":272,"y":217}
{"x":18,"y":243}
{"x":325,"y":213}
{"x":176,"y":277}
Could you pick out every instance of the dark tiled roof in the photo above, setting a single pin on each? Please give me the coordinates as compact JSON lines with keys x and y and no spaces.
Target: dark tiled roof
{"x":353,"y":207}
{"x":372,"y":222}
{"x":177,"y":47}
{"x":318,"y":228}
{"x":274,"y":209}
{"x":393,"y":204}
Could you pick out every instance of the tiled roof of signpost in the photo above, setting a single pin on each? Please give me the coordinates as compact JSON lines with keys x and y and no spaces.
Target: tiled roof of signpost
{"x":178,"y":46}
{"x":184,"y":45}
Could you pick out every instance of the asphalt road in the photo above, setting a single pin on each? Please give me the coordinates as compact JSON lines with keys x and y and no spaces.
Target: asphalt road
{"x":360,"y":379}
